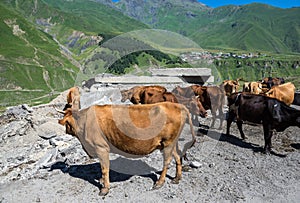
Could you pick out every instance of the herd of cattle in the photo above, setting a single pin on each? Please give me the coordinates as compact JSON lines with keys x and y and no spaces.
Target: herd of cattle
{"x":158,"y":119}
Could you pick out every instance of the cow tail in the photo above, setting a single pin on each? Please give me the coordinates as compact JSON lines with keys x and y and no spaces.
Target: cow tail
{"x":190,"y":144}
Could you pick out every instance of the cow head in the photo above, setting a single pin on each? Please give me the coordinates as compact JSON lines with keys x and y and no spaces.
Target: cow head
{"x":126,"y":94}
{"x":230,"y":86}
{"x":199,"y":90}
{"x":198,"y":107}
{"x":68,"y":121}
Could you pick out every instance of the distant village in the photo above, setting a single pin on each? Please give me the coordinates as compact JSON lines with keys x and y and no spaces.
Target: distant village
{"x":194,"y":56}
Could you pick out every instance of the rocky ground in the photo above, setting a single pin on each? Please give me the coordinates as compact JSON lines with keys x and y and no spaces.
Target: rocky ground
{"x":40,"y":163}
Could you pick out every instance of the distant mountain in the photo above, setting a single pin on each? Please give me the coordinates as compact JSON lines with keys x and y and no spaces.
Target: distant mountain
{"x":249,"y":27}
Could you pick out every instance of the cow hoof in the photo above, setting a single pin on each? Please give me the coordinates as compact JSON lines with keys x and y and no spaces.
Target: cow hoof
{"x":267,"y":152}
{"x":101,"y":181}
{"x":157,"y":186}
{"x":103,"y":191}
{"x":175,"y":181}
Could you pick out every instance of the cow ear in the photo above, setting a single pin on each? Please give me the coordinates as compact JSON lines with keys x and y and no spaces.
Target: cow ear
{"x":65,"y":118}
{"x":63,"y":121}
{"x":70,"y":96}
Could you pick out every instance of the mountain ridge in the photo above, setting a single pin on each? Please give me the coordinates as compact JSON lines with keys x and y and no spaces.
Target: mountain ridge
{"x":207,"y":26}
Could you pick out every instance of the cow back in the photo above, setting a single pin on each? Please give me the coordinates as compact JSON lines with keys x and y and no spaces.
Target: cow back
{"x":284,"y":93}
{"x":143,"y":126}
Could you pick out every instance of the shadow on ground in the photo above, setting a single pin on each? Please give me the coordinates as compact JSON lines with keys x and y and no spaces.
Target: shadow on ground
{"x":235,"y":141}
{"x":92,"y":172}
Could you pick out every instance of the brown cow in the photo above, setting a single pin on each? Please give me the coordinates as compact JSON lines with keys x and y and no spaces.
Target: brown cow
{"x":187,"y":92}
{"x":170,"y":97}
{"x":128,"y":94}
{"x":253,"y":87}
{"x":212,"y":97}
{"x":73,"y":98}
{"x":193,"y":104}
{"x":151,"y":96}
{"x":246,"y":87}
{"x":130,"y":130}
{"x":135,"y":93}
{"x":284,"y":92}
{"x":230,"y":86}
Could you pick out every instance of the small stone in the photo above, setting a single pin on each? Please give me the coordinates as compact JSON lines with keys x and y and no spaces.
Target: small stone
{"x":47,"y":135}
{"x":43,"y":162}
{"x":195,"y":164}
{"x":211,"y":165}
{"x":27,"y":108}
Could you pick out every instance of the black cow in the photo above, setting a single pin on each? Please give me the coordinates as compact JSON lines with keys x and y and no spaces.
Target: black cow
{"x":259,"y":109}
{"x":296,"y":99}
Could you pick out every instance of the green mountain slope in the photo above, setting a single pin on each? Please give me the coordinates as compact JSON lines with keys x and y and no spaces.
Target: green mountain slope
{"x":44,"y":43}
{"x":249,"y":27}
{"x":32,"y":66}
{"x":254,"y":27}
{"x":75,"y":24}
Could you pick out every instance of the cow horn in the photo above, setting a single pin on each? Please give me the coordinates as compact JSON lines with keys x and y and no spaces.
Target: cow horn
{"x":59,"y":111}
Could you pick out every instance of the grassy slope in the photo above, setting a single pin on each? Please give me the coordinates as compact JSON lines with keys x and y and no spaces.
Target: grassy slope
{"x":88,"y":17}
{"x":253,"y":27}
{"x":31,"y":64}
{"x":249,"y":27}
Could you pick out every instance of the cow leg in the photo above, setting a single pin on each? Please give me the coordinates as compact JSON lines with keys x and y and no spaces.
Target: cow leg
{"x":167,"y":153}
{"x":213,"y":113}
{"x":104,"y":180}
{"x":230,"y":118}
{"x":239,"y":125}
{"x":267,"y":137}
{"x":178,"y":160}
{"x":221,"y":117}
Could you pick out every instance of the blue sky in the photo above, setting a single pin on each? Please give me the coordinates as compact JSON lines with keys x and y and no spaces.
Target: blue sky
{"x":277,"y":3}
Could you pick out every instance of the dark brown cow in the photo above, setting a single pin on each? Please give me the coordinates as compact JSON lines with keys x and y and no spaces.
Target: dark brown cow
{"x":269,"y":81}
{"x":187,"y":92}
{"x":130,"y":130}
{"x":213,"y":98}
{"x":151,"y":96}
{"x":260,"y":109}
{"x":230,"y":86}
